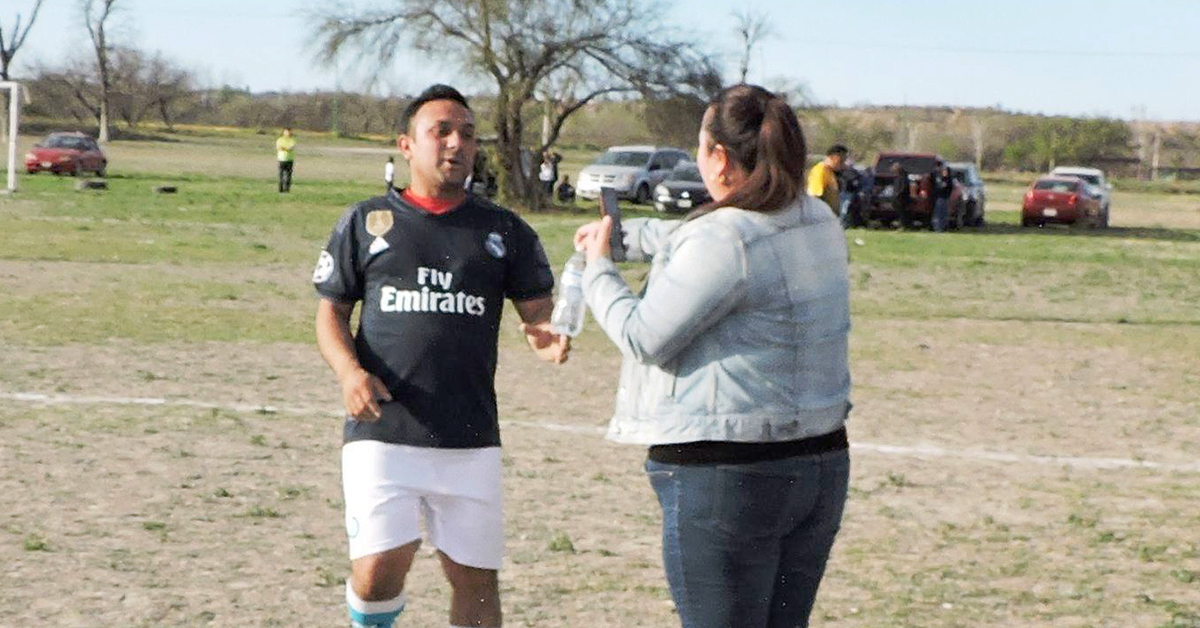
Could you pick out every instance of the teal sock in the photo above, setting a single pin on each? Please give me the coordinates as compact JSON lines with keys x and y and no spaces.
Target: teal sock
{"x":380,"y":614}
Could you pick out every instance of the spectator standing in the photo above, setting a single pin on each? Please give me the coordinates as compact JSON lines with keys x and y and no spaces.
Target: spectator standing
{"x":546,"y":174}
{"x":943,"y":187}
{"x":389,"y":173}
{"x":285,"y":153}
{"x":822,"y":177}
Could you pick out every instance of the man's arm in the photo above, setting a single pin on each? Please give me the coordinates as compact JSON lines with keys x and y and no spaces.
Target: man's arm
{"x":535,"y":324}
{"x":360,"y":389}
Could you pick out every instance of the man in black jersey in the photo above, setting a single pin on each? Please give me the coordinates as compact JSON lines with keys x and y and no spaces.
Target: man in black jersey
{"x":431,"y":265}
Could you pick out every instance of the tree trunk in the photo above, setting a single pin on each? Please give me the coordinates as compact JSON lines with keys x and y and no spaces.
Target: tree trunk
{"x":102,"y":121}
{"x":514,"y":183}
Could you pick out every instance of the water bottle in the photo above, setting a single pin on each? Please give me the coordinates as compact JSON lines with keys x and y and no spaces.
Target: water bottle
{"x":567,"y":318}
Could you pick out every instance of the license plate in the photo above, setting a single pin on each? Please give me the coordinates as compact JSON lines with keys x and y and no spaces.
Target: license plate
{"x":45,"y":164}
{"x":683,"y":202}
{"x":1050,"y":213}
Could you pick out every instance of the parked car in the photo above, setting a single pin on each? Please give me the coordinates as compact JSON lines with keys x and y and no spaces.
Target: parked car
{"x":1095,"y":178}
{"x":909,"y":200}
{"x":681,"y":190}
{"x":1063,"y":200}
{"x":974,"y":193}
{"x":633,"y":171}
{"x":66,"y":153}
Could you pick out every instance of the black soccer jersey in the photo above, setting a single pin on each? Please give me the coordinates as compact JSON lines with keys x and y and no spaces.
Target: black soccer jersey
{"x":432,"y":288}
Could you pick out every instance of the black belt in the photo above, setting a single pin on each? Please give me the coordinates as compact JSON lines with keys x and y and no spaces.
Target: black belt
{"x":728,"y":452}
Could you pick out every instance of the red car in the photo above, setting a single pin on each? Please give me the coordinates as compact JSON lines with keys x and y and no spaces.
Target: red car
{"x":66,"y":153}
{"x":1063,"y":200}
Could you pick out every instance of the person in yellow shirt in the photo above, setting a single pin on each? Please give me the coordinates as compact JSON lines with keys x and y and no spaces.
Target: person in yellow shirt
{"x":822,"y":178}
{"x":285,"y":151}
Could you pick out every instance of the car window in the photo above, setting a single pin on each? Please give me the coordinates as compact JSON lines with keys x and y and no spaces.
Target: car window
{"x":686,"y":171}
{"x":669,"y":160}
{"x":637,"y":159}
{"x":66,"y":141}
{"x":911,"y":165}
{"x":1056,"y":185}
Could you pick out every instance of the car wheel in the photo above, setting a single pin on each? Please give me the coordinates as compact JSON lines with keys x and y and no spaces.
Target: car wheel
{"x":1104,"y":218}
{"x":643,"y":194}
{"x":103,"y":170}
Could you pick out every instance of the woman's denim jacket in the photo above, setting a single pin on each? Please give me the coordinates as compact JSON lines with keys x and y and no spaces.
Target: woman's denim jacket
{"x":741,"y":332}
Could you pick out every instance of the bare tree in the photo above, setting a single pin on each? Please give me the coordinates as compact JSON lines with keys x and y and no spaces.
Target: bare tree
{"x":142,"y":85}
{"x":95,"y":17}
{"x":751,"y":27}
{"x":599,"y":47}
{"x":9,"y":47}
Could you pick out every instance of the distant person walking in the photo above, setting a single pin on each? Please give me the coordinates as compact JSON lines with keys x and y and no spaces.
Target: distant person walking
{"x":389,"y":173}
{"x":285,"y":151}
{"x":822,"y":178}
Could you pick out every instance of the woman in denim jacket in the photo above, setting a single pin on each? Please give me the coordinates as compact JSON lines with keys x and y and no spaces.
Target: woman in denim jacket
{"x":735,"y":370}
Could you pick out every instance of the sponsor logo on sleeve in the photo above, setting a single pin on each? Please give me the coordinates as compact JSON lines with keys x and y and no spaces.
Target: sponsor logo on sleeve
{"x":324,"y":269}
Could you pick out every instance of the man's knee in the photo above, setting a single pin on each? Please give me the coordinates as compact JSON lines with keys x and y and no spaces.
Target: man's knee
{"x":483,"y":582}
{"x":381,"y":576}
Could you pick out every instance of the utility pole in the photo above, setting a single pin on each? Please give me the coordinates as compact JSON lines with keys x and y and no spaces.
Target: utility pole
{"x":977,"y":138}
{"x":1155,"y":153}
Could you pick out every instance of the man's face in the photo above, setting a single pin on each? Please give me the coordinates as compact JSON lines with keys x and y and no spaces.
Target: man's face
{"x":837,"y":161}
{"x":287,"y":132}
{"x":440,"y":145}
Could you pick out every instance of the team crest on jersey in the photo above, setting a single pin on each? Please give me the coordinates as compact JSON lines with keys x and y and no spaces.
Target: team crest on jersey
{"x":379,"y":222}
{"x":495,"y":245}
{"x":324,"y":269}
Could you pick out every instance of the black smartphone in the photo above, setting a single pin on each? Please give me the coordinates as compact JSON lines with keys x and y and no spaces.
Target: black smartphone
{"x":609,"y":207}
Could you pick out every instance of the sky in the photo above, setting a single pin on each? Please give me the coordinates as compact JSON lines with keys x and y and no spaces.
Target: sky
{"x":1072,"y":57}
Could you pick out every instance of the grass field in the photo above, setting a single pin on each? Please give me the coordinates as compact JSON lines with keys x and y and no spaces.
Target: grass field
{"x":1026,"y":429}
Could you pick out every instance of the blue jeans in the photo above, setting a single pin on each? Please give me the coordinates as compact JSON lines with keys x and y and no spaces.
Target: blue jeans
{"x":940,"y":214}
{"x":745,"y":545}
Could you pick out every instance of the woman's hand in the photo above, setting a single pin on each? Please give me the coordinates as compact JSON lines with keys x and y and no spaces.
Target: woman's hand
{"x":594,"y":238}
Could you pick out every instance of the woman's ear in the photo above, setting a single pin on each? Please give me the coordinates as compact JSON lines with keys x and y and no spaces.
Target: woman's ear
{"x":720,"y":159}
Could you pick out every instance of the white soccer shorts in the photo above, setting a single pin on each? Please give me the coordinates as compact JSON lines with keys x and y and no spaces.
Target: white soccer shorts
{"x":389,"y":488}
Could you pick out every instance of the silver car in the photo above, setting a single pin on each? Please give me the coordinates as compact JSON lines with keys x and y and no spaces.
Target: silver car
{"x":633,"y":171}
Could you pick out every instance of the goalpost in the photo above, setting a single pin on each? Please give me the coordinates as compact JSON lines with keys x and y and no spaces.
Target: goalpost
{"x":14,"y":112}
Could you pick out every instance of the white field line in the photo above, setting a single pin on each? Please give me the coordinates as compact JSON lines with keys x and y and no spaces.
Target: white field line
{"x":919,"y":451}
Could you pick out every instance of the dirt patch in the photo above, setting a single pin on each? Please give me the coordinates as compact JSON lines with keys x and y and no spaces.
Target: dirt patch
{"x":207,"y":517}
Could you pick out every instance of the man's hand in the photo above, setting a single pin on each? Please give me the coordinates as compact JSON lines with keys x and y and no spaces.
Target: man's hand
{"x":548,"y":345}
{"x":361,"y":392}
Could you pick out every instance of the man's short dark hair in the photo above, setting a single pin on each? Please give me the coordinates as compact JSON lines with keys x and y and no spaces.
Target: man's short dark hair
{"x":837,"y":149}
{"x":431,"y":93}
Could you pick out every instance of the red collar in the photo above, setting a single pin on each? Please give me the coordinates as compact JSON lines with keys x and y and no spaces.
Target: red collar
{"x":433,"y":205}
